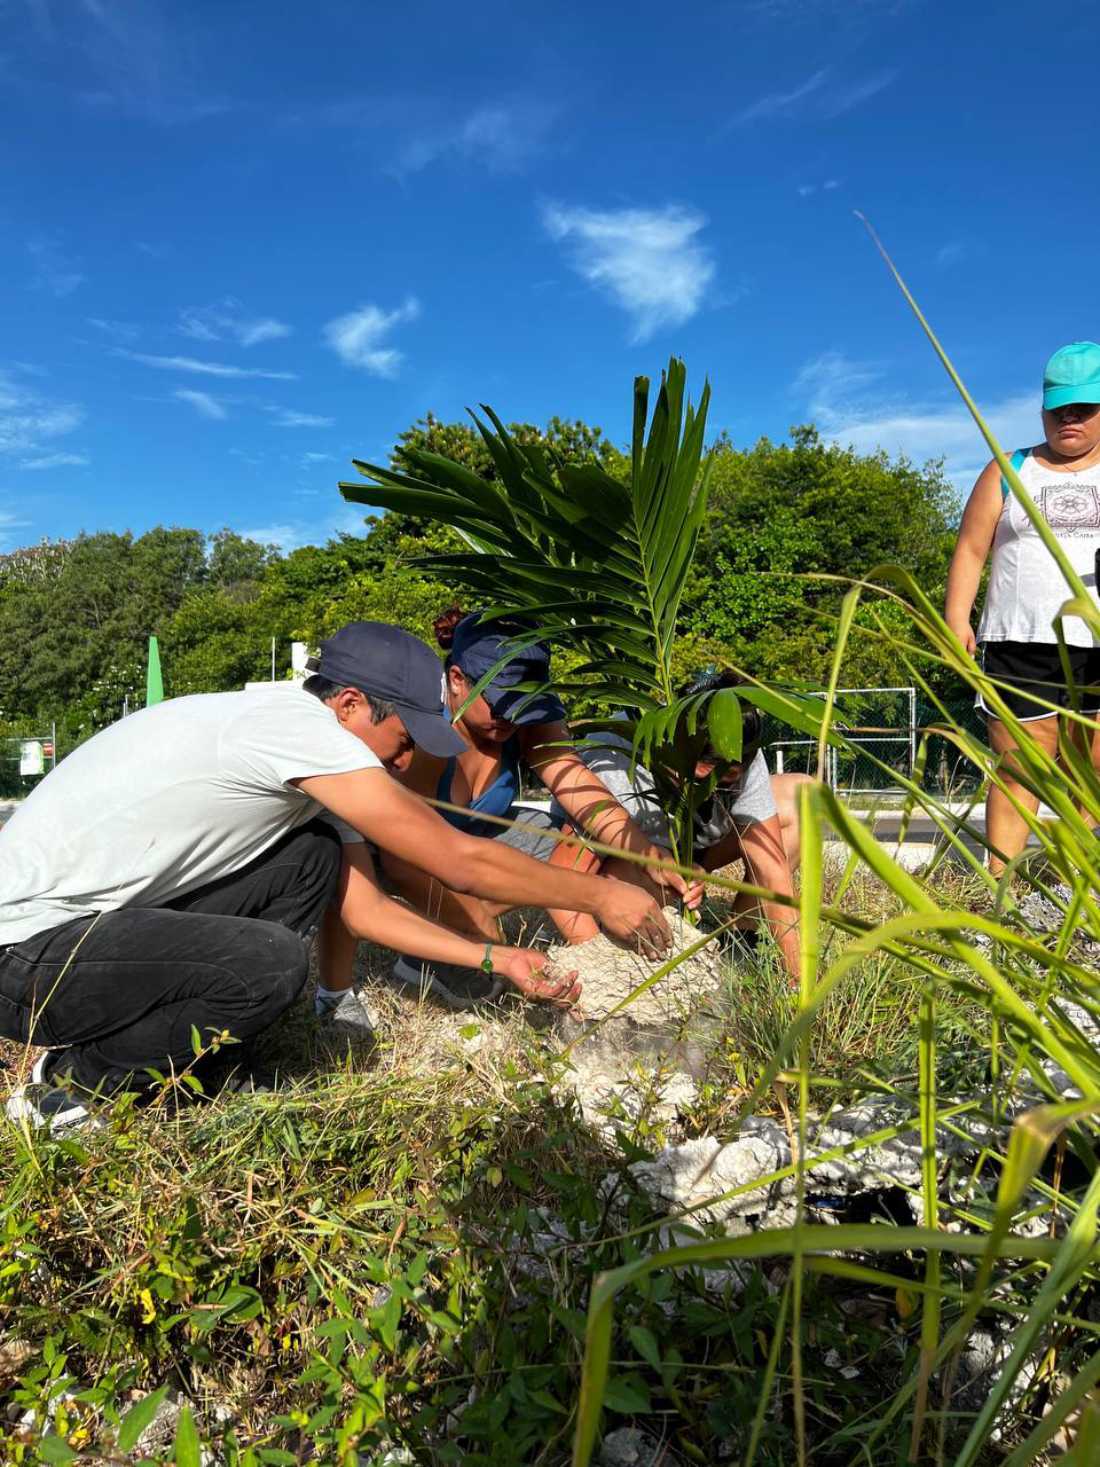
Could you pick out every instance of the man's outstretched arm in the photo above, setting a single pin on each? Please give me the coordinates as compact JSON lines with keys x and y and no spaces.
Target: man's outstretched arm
{"x":398,"y":821}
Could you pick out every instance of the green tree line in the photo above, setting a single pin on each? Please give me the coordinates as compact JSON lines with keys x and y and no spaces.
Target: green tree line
{"x":789,"y":524}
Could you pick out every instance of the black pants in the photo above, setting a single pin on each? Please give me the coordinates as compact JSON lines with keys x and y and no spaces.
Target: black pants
{"x":121,"y":992}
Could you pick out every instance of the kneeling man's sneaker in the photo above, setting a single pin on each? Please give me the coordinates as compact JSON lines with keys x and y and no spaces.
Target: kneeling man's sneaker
{"x":45,"y":1104}
{"x":458,"y":988}
{"x":348,"y":1012}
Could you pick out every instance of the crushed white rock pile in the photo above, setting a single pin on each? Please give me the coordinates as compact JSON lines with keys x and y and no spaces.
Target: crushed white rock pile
{"x":609,"y":973}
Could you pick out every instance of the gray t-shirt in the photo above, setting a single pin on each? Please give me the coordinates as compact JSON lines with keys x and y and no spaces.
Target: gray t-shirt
{"x":749,"y":803}
{"x":166,"y":801}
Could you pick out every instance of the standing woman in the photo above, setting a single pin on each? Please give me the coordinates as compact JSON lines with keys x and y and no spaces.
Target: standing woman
{"x":1026,"y":588}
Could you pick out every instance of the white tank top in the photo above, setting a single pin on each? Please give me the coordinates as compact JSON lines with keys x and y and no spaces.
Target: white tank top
{"x":1026,"y":588}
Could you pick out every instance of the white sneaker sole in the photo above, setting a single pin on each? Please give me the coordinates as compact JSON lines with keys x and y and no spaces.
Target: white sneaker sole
{"x":21,"y":1107}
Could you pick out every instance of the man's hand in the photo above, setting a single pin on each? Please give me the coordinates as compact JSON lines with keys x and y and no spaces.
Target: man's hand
{"x":630,"y":914}
{"x":523,"y":967}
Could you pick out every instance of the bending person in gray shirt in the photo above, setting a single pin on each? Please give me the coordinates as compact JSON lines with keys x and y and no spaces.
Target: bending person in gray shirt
{"x":752,"y":816}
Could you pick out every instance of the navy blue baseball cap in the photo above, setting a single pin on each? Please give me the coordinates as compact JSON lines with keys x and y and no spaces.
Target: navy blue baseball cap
{"x":393,"y":664}
{"x":479,"y":644}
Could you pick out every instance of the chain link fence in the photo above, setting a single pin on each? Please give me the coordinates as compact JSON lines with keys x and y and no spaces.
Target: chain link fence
{"x":883,"y":728}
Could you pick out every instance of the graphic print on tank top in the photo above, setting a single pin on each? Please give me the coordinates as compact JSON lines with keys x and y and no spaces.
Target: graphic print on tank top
{"x":1071,"y":509}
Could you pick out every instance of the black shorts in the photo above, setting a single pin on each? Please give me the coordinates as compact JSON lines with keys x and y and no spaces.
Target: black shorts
{"x":1036,"y":668}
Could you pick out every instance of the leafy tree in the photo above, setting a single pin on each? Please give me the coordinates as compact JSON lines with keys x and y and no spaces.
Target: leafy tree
{"x":235,"y":562}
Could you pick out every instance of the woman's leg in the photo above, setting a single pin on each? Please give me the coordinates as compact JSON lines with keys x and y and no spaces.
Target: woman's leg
{"x":575,"y":927}
{"x":1006,"y":829}
{"x":469,"y":915}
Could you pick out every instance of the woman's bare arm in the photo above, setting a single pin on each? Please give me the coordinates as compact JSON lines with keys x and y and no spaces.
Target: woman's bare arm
{"x":590,"y":804}
{"x":979,"y":524}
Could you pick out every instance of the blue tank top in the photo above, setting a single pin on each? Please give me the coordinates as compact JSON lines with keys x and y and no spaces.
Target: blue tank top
{"x":496,"y":799}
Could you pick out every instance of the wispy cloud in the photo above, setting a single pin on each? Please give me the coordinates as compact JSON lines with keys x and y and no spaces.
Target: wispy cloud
{"x":316,"y":458}
{"x":201,"y":368}
{"x":138,"y":57}
{"x":52,"y":268}
{"x":293,"y":534}
{"x":955,"y":251}
{"x":649,"y":261}
{"x":116,"y":330}
{"x":502,"y":137}
{"x":10,"y":521}
{"x":780,"y":104}
{"x":225,"y":323}
{"x":847,"y":97}
{"x":359,"y":337}
{"x":204,"y":404}
{"x":852,"y":406}
{"x":289,"y":418}
{"x":56,"y":461}
{"x":807,"y":190}
{"x":409,"y":131}
{"x":820,"y":95}
{"x":29,"y":420}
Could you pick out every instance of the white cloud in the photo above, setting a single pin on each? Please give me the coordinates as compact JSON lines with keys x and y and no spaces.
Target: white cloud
{"x":504,"y":137}
{"x":204,"y":404}
{"x":649,"y":261}
{"x":200,"y":368}
{"x":223,"y":322}
{"x":955,"y":251}
{"x":316,"y":458}
{"x":359,"y":337}
{"x":819,"y":95}
{"x":56,"y":461}
{"x":293,"y":534}
{"x":126,"y":56}
{"x":288,"y":418}
{"x":851,"y":409}
{"x":8,"y":523}
{"x":54,"y":270}
{"x":28,"y":419}
{"x":116,"y":330}
{"x":286,"y":537}
{"x":781,"y":104}
{"x":846,"y":98}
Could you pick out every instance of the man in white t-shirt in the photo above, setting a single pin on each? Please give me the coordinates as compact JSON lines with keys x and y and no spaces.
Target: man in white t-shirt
{"x":168,"y":877}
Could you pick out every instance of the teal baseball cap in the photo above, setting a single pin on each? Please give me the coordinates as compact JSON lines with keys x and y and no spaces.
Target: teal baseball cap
{"x":1072,"y":375}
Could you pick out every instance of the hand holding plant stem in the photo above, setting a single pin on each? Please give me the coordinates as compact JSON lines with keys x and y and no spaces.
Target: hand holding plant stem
{"x":523,"y":967}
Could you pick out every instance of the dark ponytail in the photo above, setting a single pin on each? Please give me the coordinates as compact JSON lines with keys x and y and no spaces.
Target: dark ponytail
{"x":444,"y":628}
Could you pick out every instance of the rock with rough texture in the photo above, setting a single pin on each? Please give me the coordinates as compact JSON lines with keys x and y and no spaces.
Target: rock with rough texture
{"x":698,"y":1172}
{"x":629,"y":1447}
{"x":610,"y":973}
{"x":609,"y":1085}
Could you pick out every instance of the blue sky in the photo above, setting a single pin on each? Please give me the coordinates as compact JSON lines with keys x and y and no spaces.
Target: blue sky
{"x":242,"y":241}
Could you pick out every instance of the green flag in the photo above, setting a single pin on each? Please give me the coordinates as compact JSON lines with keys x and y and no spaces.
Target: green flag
{"x":154,"y":685}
